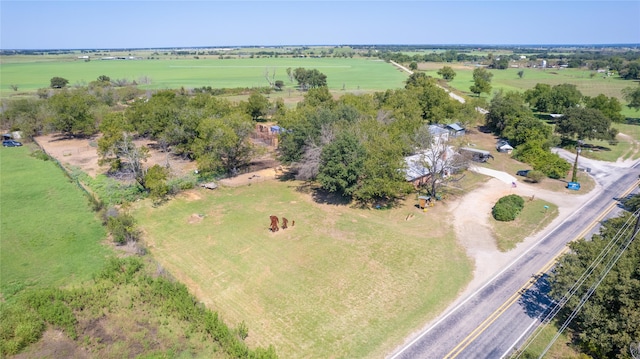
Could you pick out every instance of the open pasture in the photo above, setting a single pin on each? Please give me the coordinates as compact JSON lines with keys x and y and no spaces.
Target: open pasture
{"x":50,"y":236}
{"x":341,"y":283}
{"x":350,"y":74}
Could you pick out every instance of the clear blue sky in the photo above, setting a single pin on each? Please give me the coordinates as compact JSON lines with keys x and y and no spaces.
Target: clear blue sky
{"x":130,"y":24}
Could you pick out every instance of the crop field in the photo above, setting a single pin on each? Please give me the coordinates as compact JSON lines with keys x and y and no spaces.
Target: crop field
{"x":50,"y":236}
{"x":342,"y":282}
{"x":342,"y":73}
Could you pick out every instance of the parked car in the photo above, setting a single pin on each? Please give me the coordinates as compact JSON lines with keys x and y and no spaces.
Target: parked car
{"x":11,"y":143}
{"x":523,"y":173}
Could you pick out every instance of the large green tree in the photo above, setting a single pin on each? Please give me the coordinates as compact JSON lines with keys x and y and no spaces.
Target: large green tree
{"x":341,"y":164}
{"x":632,"y":95}
{"x":585,"y":123}
{"x":308,"y":79}
{"x":58,"y":82}
{"x":563,"y":97}
{"x":610,"y":320}
{"x":539,"y":97}
{"x":257,"y":106}
{"x":437,"y":105}
{"x":504,"y":108}
{"x":609,"y":106}
{"x":223,"y":144}
{"x":481,"y":81}
{"x":73,"y":112}
{"x":447,"y":73}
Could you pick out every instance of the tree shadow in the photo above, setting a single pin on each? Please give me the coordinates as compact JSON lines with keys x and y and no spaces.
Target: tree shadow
{"x":320,"y":195}
{"x":536,"y":301}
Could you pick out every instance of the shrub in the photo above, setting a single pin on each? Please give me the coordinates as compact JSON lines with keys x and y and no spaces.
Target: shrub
{"x":19,"y":327}
{"x":122,"y":227}
{"x":507,"y":208}
{"x":535,"y":176}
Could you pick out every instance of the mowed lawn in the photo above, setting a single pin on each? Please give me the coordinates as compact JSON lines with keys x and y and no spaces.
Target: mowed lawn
{"x":350,"y":74}
{"x":48,"y":234}
{"x":341,"y":283}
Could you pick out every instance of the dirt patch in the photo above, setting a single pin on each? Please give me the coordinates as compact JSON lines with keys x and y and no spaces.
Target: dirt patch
{"x":190,"y":195}
{"x":195,"y":218}
{"x":253,"y":177}
{"x":55,"y":344}
{"x":83,"y":153}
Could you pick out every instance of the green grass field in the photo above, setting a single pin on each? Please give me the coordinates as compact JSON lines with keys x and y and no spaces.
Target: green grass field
{"x":342,"y":282}
{"x":49,"y":235}
{"x":508,"y":80}
{"x":353,"y":74}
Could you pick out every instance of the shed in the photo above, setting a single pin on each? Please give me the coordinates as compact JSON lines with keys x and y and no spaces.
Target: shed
{"x":455,"y":130}
{"x":424,"y":201}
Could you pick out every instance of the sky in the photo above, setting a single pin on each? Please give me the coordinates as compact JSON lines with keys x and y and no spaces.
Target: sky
{"x":89,"y":24}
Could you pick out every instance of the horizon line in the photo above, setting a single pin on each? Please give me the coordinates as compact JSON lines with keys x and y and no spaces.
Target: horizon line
{"x":332,"y":45}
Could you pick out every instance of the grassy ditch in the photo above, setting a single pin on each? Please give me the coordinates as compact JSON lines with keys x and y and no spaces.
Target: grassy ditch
{"x":342,"y":282}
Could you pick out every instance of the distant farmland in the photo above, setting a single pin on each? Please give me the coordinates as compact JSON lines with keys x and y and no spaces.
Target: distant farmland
{"x":342,"y":73}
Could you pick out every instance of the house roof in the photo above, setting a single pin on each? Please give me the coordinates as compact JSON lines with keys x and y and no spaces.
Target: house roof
{"x":436,"y":130}
{"x":455,"y":127}
{"x":414,"y":168}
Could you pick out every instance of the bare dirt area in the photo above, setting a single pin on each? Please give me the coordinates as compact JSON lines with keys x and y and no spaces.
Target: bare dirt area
{"x":55,"y":344}
{"x":83,"y":153}
{"x":472,"y":211}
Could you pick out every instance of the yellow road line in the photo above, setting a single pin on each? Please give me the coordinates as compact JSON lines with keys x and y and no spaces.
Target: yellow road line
{"x":514,"y":297}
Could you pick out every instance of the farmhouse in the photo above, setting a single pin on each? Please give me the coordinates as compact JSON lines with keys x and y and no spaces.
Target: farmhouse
{"x":418,"y":167}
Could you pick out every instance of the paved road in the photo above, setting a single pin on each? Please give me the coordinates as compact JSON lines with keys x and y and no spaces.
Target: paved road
{"x":498,"y":317}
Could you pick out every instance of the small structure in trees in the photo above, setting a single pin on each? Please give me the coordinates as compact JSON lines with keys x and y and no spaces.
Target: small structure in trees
{"x":455,"y":130}
{"x":504,"y":146}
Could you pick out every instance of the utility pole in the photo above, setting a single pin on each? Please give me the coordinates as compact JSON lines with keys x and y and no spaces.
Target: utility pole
{"x":575,"y":164}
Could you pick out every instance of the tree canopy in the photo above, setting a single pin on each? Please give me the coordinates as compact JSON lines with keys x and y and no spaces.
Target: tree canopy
{"x":481,"y":81}
{"x":447,"y":73}
{"x":609,"y":321}
{"x":58,"y":82}
{"x":308,"y":79}
{"x":585,"y":123}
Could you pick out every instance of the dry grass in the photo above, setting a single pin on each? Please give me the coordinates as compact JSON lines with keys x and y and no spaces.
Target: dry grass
{"x":342,"y":282}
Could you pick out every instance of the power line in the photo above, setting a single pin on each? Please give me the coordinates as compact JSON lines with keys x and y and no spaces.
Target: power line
{"x":617,"y":241}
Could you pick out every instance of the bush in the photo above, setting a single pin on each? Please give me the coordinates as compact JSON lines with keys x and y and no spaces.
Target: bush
{"x":535,"y":176}
{"x":507,"y":208}
{"x":19,"y":327}
{"x":122,"y":227}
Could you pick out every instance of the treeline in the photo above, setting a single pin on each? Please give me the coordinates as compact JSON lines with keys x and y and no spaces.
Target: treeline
{"x":581,"y":118}
{"x":606,"y":325}
{"x":118,"y":292}
{"x":215,"y":132}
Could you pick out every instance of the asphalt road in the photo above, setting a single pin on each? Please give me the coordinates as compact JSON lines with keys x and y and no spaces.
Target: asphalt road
{"x":496,"y":319}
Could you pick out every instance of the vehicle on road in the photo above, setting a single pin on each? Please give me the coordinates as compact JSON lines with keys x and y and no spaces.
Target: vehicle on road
{"x":11,"y":143}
